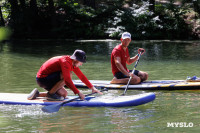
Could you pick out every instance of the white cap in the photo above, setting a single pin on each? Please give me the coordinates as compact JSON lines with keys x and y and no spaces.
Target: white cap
{"x":126,"y":35}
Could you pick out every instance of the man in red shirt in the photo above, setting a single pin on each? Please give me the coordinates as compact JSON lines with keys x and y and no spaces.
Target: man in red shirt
{"x":56,"y":72}
{"x":120,"y":57}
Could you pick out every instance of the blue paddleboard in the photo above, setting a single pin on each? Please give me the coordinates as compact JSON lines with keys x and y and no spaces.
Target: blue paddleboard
{"x":92,"y":101}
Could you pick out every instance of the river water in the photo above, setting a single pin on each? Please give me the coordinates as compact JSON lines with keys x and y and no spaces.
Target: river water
{"x":20,"y":61}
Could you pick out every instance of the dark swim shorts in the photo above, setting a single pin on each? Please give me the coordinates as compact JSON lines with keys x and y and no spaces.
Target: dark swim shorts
{"x":120,"y":75}
{"x":48,"y":82}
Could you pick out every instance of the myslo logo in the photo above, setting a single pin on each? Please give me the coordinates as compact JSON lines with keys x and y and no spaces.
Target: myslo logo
{"x":179,"y":124}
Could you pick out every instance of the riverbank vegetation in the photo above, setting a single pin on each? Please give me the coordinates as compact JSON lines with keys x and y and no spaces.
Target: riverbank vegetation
{"x":97,"y":19}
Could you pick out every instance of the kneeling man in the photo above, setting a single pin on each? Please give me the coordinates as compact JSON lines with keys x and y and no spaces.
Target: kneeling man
{"x":56,"y":72}
{"x":120,"y":57}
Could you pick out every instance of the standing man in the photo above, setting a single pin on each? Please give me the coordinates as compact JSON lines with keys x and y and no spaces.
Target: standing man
{"x":56,"y":72}
{"x":120,"y":57}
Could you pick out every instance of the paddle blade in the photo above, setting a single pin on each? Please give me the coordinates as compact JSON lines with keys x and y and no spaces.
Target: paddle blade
{"x":51,"y":108}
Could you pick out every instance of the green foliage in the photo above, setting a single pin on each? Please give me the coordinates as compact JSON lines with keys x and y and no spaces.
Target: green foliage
{"x":5,"y":7}
{"x":166,"y":23}
{"x":4,"y":33}
{"x":72,"y":19}
{"x":173,"y":22}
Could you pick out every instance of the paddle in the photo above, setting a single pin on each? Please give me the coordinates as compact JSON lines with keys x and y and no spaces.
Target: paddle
{"x":132,"y":72}
{"x":56,"y":107}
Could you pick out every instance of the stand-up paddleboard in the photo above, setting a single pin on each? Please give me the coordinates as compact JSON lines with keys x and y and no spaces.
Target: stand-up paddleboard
{"x":118,"y":101}
{"x":147,"y":85}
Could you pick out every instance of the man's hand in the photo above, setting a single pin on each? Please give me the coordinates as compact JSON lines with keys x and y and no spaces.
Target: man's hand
{"x":81,"y":95}
{"x":96,"y":90}
{"x":130,"y":74}
{"x":141,"y":50}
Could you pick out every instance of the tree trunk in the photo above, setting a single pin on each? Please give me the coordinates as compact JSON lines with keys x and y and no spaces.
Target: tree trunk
{"x":90,"y":3}
{"x":196,"y":6}
{"x":51,"y":6}
{"x":34,"y":15}
{"x":52,"y":13}
{"x":33,"y":6}
{"x":14,"y":11}
{"x":152,"y":5}
{"x":2,"y":23}
{"x":22,"y":4}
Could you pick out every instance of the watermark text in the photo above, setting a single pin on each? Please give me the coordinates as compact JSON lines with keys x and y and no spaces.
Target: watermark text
{"x":179,"y":124}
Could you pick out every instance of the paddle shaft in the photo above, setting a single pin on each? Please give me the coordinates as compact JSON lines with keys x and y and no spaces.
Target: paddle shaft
{"x":56,"y":107}
{"x":132,"y":73}
{"x":80,"y":97}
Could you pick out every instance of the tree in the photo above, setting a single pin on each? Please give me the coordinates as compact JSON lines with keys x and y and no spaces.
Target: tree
{"x":22,"y":5}
{"x":152,"y":5}
{"x":2,"y":23}
{"x":196,"y":6}
{"x":90,"y":3}
{"x":34,"y":14}
{"x":14,"y":12}
{"x":52,"y":12}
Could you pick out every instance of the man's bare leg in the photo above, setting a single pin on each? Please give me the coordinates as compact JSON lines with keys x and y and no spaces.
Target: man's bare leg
{"x":43,"y":94}
{"x":134,"y":80}
{"x":59,"y":85}
{"x":143,"y":75}
{"x":62,"y":92}
{"x":57,"y":88}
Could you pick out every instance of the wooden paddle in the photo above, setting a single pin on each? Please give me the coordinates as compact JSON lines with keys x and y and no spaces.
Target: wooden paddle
{"x":56,"y":107}
{"x":132,"y":72}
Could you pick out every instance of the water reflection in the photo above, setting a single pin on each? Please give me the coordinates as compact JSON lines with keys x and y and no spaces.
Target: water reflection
{"x":162,"y":50}
{"x":1,"y":46}
{"x":126,"y":119}
{"x":74,"y":120}
{"x":95,"y":120}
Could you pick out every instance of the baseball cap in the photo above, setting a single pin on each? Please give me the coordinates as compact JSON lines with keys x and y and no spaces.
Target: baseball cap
{"x":126,"y":35}
{"x":79,"y":55}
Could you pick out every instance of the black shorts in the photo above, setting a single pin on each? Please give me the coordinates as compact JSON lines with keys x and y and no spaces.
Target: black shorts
{"x":120,"y":75}
{"x":48,"y":82}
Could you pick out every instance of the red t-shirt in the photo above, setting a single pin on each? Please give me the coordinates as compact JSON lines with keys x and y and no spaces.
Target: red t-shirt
{"x":118,"y":51}
{"x":63,"y":64}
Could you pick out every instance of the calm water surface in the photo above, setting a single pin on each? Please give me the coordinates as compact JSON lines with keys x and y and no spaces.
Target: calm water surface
{"x":20,"y":61}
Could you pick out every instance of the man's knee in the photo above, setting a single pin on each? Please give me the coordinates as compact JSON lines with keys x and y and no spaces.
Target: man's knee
{"x":143,"y":76}
{"x":65,"y":94}
{"x":135,"y":80}
{"x":62,"y":92}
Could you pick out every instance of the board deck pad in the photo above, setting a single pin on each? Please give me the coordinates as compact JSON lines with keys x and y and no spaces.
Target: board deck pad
{"x":91,"y":101}
{"x":146,"y":85}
